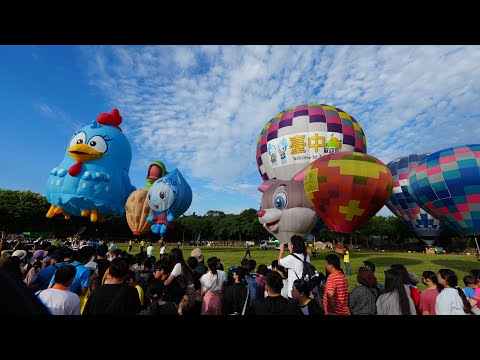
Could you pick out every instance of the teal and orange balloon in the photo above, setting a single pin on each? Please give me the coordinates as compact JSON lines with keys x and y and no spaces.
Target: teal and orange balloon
{"x":347,"y":189}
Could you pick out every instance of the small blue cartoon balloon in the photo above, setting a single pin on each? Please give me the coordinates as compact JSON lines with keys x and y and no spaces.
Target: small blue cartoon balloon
{"x":168,"y":197}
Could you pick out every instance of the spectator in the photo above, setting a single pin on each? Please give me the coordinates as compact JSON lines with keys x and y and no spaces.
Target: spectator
{"x":42,"y":279}
{"x":81,"y":282}
{"x":274,"y":303}
{"x":102,"y":263}
{"x":293,"y":264}
{"x":142,"y":245}
{"x":451,"y":300}
{"x":149,"y":250}
{"x":212,"y":288}
{"x":144,"y":275}
{"x":172,"y":292}
{"x":371,"y":266}
{"x":192,"y":263}
{"x":21,"y":300}
{"x":59,"y":299}
{"x":428,"y":297}
{"x":201,"y":268}
{"x":35,"y":269}
{"x":184,"y":276}
{"x":362,"y":300}
{"x":346,"y":261}
{"x":304,"y":299}
{"x":159,"y":305}
{"x":236,"y":295}
{"x":247,"y":250}
{"x":394,"y":300}
{"x":251,"y":282}
{"x":284,"y":274}
{"x":130,"y":280}
{"x":116,"y":297}
{"x":260,"y":280}
{"x":411,"y":290}
{"x":335,"y":297}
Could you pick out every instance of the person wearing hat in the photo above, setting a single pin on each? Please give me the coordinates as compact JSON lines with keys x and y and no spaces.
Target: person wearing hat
{"x":37,"y":266}
{"x":24,"y":265}
{"x":201,"y":269}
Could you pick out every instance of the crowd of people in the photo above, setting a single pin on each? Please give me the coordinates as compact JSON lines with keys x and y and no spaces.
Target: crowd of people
{"x":96,"y":279}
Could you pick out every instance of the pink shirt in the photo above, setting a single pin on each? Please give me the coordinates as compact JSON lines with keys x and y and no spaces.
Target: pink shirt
{"x":428,"y":298}
{"x":477,"y":293}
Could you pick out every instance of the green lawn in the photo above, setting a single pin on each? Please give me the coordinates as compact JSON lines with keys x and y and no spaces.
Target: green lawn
{"x":414,"y":262}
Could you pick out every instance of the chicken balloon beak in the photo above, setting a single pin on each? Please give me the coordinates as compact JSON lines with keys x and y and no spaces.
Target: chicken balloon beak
{"x":83,"y":153}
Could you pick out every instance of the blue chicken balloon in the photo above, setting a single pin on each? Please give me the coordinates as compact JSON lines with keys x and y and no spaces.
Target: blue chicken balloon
{"x":168,"y":197}
{"x":92,"y":180}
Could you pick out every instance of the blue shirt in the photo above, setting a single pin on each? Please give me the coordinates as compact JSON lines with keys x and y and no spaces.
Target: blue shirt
{"x":44,"y":276}
{"x":82,"y":278}
{"x":469,"y":292}
{"x":253,"y":287}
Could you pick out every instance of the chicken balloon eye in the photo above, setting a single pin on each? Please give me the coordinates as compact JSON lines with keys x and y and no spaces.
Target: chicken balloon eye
{"x":98,"y":143}
{"x":80,"y":138}
{"x":280,"y":200}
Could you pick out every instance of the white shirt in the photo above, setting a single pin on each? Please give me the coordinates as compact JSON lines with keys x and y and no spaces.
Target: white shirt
{"x":449,"y":302}
{"x":162,"y":250}
{"x":213,"y":283}
{"x":60,"y":302}
{"x":150,"y":250}
{"x":295,"y":266}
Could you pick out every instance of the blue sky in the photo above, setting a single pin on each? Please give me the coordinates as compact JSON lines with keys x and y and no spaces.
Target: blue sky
{"x":201,"y":108}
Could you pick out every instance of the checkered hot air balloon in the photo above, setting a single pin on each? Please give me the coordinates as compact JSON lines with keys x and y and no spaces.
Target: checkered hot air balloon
{"x":301,"y":134}
{"x":446,"y":184}
{"x":347,"y":189}
{"x":402,"y":204}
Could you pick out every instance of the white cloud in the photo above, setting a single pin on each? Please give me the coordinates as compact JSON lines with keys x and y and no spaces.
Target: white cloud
{"x":57,"y":114}
{"x":201,"y":108}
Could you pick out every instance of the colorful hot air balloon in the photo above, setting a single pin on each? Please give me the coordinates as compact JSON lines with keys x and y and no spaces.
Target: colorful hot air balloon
{"x":136,"y":208}
{"x":347,"y":189}
{"x":301,"y":134}
{"x":446,"y":184}
{"x":402,"y":204}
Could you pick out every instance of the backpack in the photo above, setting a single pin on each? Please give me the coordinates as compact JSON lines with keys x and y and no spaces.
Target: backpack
{"x":309,"y":271}
{"x":415,"y":295}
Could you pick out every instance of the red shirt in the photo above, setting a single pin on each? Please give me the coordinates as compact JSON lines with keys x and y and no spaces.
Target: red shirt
{"x":337,"y":283}
{"x":428,"y":297}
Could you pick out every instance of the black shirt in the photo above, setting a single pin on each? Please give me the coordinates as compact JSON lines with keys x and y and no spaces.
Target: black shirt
{"x":234,"y":299}
{"x":113,"y":299}
{"x":275,"y":305}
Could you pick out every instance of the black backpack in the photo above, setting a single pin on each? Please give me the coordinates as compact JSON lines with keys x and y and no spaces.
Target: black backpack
{"x":309,"y":271}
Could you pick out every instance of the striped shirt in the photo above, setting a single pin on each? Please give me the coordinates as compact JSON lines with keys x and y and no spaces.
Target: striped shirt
{"x":337,"y":283}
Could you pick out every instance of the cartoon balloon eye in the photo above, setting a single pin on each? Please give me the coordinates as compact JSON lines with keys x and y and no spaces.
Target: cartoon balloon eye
{"x":162,"y":194}
{"x":280,"y":200}
{"x":149,"y":196}
{"x":98,"y":143}
{"x":79,"y":138}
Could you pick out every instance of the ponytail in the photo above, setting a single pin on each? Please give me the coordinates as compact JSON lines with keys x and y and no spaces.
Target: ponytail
{"x":467,"y":307}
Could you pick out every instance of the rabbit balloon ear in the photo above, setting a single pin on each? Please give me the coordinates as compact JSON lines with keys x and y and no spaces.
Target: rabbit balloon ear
{"x":300,"y":175}
{"x":263,"y":187}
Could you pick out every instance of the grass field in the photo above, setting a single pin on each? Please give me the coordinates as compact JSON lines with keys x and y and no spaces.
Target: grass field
{"x":414,"y":262}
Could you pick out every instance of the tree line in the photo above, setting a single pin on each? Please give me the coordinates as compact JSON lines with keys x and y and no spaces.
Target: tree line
{"x":22,"y":211}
